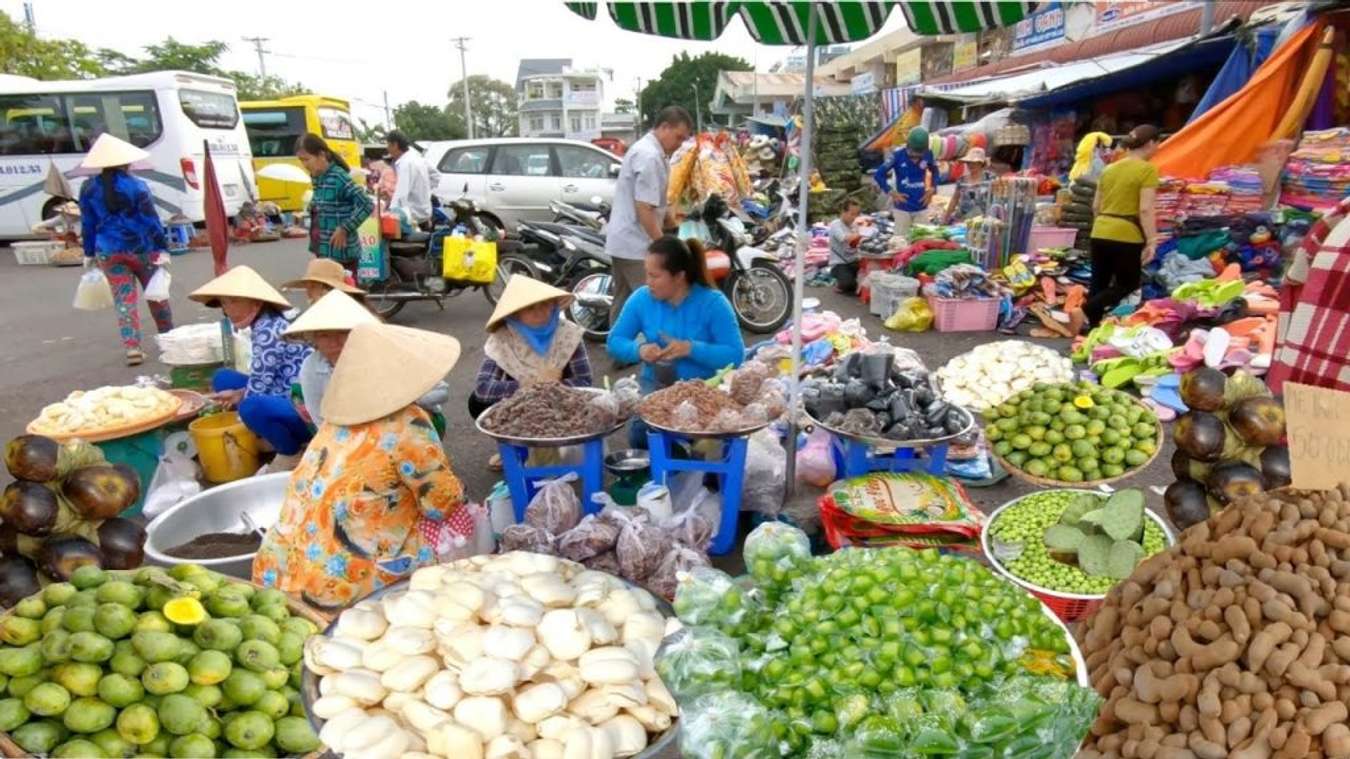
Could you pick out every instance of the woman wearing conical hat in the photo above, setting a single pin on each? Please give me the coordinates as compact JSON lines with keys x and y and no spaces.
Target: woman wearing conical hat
{"x":263,"y":396}
{"x":374,"y":497}
{"x":528,"y":343}
{"x":323,"y":275}
{"x":123,"y":236}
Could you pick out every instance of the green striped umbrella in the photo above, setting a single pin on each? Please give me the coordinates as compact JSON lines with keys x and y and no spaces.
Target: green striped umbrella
{"x":785,"y":23}
{"x":802,"y":22}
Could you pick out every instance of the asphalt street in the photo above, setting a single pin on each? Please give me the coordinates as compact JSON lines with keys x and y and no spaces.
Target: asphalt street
{"x":50,"y":349}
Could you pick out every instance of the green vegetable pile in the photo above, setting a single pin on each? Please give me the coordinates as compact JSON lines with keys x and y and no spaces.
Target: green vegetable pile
{"x":1075,"y":541}
{"x":118,"y":664}
{"x":869,"y":653}
{"x":1073,"y":432}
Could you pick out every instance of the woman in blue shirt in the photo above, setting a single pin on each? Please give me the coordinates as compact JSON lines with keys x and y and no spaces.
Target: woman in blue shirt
{"x":688,"y":329}
{"x":264,"y":394}
{"x":123,"y":236}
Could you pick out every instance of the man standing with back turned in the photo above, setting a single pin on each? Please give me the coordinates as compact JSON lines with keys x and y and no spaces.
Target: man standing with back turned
{"x":639,"y":213}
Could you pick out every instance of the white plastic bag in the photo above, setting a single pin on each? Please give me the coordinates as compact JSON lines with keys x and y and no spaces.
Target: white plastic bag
{"x":815,"y":460}
{"x":175,"y":479}
{"x":158,"y":288}
{"x":93,"y":293}
{"x":765,"y":474}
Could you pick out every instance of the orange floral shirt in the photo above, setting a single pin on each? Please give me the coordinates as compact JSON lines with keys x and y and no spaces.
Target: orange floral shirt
{"x":349,"y":524}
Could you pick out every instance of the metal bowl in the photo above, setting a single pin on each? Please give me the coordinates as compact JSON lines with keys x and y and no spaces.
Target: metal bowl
{"x":876,"y":441}
{"x":548,"y":442}
{"x":746,"y":432}
{"x":628,"y":460}
{"x":219,"y":509}
{"x":661,"y":747}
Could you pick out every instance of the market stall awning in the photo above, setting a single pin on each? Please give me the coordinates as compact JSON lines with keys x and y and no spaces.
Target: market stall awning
{"x":1039,"y":84}
{"x":785,"y":23}
{"x":1190,"y":57}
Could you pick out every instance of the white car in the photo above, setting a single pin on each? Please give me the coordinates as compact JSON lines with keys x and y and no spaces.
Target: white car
{"x":513,"y":179}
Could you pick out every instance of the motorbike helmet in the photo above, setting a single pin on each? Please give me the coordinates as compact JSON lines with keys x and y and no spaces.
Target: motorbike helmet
{"x":917,"y":140}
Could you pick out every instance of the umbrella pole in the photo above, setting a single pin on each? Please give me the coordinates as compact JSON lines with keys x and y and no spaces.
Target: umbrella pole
{"x":798,"y":281}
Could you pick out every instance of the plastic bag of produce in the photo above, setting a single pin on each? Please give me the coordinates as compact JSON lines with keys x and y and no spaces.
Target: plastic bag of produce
{"x":158,"y":288}
{"x":627,"y":393}
{"x":93,"y":293}
{"x":694,"y":526}
{"x":765,"y":473}
{"x":699,"y":660}
{"x":681,"y":558}
{"x":639,"y":549}
{"x":914,"y":315}
{"x":555,"y":508}
{"x":727,"y":420}
{"x":591,"y":537}
{"x":728,"y":725}
{"x":606,"y":562}
{"x":815,"y":462}
{"x":774,"y":549}
{"x":523,"y":537}
{"x":747,"y":381}
{"x":685,"y":416}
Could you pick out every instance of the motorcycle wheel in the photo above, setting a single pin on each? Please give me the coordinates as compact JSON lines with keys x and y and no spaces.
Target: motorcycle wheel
{"x":594,"y":322}
{"x":377,"y":292}
{"x":506,"y":266}
{"x":761,"y":296}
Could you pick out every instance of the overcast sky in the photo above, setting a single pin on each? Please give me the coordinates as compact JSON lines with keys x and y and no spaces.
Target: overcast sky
{"x":397,"y":46}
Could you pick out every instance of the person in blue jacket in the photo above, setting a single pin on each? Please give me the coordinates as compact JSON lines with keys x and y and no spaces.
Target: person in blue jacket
{"x":916,"y":177}
{"x":678,"y":326}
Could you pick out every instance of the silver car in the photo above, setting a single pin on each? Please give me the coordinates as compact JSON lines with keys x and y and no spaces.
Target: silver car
{"x":513,"y":179}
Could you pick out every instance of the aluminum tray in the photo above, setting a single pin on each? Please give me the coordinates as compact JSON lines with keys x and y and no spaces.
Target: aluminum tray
{"x":549,"y":442}
{"x":705,"y":435}
{"x":663,"y":745}
{"x":884,"y":442}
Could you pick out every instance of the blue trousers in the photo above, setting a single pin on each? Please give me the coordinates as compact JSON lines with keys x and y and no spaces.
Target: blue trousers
{"x":271,"y":417}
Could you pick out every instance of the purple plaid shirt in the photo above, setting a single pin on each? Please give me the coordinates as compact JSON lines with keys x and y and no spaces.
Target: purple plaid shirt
{"x":493,"y":383}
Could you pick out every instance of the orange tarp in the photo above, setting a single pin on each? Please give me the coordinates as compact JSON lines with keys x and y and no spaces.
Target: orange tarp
{"x":1232,"y":131}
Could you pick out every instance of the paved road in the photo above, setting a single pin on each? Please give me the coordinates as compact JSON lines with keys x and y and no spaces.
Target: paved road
{"x":50,"y":349}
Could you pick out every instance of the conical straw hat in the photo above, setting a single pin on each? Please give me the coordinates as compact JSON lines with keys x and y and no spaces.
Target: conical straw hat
{"x":239,"y":282}
{"x":522,"y":292}
{"x":384,"y":368}
{"x":335,"y":311}
{"x":111,"y":151}
{"x":324,"y":271}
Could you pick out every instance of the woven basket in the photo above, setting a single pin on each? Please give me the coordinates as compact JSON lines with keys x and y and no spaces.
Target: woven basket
{"x":1046,"y":482}
{"x":12,"y":750}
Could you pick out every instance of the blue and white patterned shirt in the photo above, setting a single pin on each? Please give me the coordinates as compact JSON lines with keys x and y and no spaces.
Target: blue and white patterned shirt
{"x":276,"y":362}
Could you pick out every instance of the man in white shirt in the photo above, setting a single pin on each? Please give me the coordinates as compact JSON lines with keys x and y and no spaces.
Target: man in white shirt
{"x":639,"y":212}
{"x":412,"y":192}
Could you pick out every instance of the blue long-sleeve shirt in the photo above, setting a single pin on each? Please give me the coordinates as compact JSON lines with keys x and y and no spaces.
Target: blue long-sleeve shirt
{"x":133,"y":229}
{"x":704,"y":318}
{"x":909,"y":178}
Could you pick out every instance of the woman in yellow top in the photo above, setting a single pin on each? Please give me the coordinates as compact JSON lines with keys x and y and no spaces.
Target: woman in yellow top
{"x":1124,"y":234}
{"x":374,"y":491}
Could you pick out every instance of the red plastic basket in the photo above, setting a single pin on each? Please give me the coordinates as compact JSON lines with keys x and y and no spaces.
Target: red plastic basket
{"x":1069,"y":607}
{"x":964,"y":314}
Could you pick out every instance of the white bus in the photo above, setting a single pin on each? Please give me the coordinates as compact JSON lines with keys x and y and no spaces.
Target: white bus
{"x":168,"y":113}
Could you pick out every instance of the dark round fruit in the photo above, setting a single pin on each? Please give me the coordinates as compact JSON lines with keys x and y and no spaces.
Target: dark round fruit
{"x":61,"y":555}
{"x":1275,"y":471}
{"x":1233,"y":480}
{"x":1186,"y":503}
{"x":121,"y":543}
{"x":18,"y":580}
{"x":32,"y":458}
{"x":30,"y":507}
{"x":1200,"y":435}
{"x":1202,"y":389}
{"x":1258,"y":421}
{"x":102,"y":491}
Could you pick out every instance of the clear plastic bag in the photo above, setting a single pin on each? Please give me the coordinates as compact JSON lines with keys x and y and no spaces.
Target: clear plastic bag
{"x":640,"y":548}
{"x":523,"y":537}
{"x":698,"y":660}
{"x":754,"y":414}
{"x":627,"y":392}
{"x":765,"y":474}
{"x":692,"y":528}
{"x":591,"y":537}
{"x":555,"y":508}
{"x":747,"y":380}
{"x":157,"y":289}
{"x":680,"y":559}
{"x":728,"y":420}
{"x":709,"y":596}
{"x":773,"y":553}
{"x":815,"y":461}
{"x":606,"y":562}
{"x":685,"y":416}
{"x":728,"y":724}
{"x":93,"y":293}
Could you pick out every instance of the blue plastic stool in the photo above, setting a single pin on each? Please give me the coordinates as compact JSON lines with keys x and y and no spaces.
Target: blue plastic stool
{"x":853,"y":458}
{"x":730,"y":471}
{"x":523,"y":481}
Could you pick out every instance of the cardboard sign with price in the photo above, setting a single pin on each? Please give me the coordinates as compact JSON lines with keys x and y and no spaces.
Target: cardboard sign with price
{"x":1318,"y":424}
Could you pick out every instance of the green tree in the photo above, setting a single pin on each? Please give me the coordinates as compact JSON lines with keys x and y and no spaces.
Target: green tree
{"x":172,"y":55}
{"x":492,"y":105}
{"x":367,"y":132}
{"x":427,"y":122}
{"x":24,"y":54}
{"x":624,"y":105}
{"x":270,"y":87}
{"x":682,"y":78}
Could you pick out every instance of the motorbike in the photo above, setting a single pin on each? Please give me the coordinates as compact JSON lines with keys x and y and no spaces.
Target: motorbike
{"x":569,"y":257}
{"x":414,"y":262}
{"x":760,"y":293}
{"x":593,"y":215}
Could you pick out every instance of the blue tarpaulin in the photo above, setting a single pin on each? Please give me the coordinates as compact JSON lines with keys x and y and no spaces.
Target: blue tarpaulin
{"x":1197,"y":55}
{"x":1246,"y":57}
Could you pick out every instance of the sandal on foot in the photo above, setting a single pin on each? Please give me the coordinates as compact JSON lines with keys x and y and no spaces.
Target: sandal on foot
{"x":135,"y":357}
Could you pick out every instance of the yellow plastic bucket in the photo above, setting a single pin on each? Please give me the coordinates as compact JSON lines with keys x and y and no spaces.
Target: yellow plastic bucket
{"x":227,"y":449}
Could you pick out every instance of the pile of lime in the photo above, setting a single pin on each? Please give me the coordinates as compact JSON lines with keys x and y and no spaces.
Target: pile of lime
{"x":1027,"y":529}
{"x":1072,"y":432}
{"x":184,"y":663}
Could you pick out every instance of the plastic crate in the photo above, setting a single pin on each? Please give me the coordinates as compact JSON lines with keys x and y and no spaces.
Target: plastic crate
{"x":35,"y":252}
{"x":964,"y":314}
{"x":1050,"y":237}
{"x":889,"y":290}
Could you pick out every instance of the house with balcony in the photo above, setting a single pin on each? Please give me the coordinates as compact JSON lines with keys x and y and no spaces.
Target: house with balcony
{"x":556,"y":100}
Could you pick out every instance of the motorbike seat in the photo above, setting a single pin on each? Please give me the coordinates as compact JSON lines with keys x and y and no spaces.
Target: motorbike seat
{"x":418,"y":237}
{"x":407,"y":248}
{"x":584,"y":206}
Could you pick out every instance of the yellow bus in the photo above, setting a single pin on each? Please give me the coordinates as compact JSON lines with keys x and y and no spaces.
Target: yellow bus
{"x":275,"y":126}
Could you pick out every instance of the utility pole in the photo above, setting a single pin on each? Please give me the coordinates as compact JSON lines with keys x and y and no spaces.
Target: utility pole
{"x":698,"y":108}
{"x":464,"y":78}
{"x":638,"y":102}
{"x":29,"y":22}
{"x":388,"y":122}
{"x":258,"y":46}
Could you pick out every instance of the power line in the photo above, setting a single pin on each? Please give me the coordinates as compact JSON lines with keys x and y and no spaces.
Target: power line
{"x":464,"y":76}
{"x":258,"y":46}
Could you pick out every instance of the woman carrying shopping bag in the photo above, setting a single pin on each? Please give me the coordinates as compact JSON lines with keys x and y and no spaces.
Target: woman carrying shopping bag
{"x":123,"y":236}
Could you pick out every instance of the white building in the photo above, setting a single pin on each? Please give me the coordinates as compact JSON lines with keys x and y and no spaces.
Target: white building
{"x":743,"y":94}
{"x":556,"y":100}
